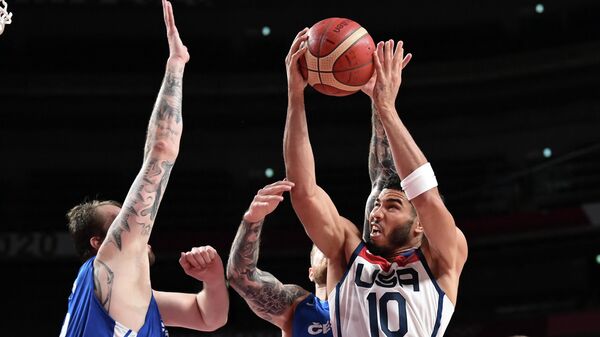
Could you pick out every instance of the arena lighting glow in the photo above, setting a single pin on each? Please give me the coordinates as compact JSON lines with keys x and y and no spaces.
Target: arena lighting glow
{"x":598,"y":259}
{"x":266,"y":31}
{"x":269,"y":172}
{"x":539,"y":8}
{"x":547,"y":152}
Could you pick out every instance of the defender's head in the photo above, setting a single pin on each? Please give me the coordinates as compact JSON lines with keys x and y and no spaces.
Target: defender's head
{"x":317,"y":272}
{"x":89,"y":223}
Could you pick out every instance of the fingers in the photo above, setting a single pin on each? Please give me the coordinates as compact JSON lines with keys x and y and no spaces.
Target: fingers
{"x":378,"y":59}
{"x":389,"y":50}
{"x":198,"y":257}
{"x":276,"y":188}
{"x":407,"y":59}
{"x":299,"y":53}
{"x":300,"y":37}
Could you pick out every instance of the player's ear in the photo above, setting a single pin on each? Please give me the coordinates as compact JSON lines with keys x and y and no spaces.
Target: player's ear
{"x":95,"y":242}
{"x":311,"y":274}
{"x":417,"y":225}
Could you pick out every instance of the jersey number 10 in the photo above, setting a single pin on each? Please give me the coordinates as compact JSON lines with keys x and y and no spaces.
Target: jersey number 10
{"x":383,"y":320}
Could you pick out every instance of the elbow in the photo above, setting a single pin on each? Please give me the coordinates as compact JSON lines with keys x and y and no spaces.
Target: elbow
{"x":217,"y":322}
{"x":164,"y":149}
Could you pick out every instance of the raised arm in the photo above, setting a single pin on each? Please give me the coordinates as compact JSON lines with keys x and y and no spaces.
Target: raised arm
{"x":121,"y":268}
{"x":207,"y":310}
{"x":266,"y":295}
{"x":131,"y":229}
{"x":313,"y":206}
{"x":445,"y":242}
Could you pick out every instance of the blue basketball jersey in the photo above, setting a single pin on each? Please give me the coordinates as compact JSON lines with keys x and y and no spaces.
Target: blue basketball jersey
{"x":87,"y":318}
{"x":311,"y":318}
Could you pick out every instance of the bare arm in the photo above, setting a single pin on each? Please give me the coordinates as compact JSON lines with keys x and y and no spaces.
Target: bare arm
{"x":121,"y":269}
{"x":207,"y":310}
{"x":447,"y":245}
{"x":266,"y":295}
{"x":312,"y":205}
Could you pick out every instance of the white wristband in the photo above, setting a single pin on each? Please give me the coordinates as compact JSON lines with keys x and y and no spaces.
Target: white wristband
{"x":419,"y":181}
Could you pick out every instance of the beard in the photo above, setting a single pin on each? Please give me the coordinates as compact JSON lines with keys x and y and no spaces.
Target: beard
{"x":399,"y":237}
{"x":320,"y":274}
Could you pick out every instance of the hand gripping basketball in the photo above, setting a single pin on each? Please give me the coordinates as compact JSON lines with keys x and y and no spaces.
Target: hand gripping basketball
{"x":388,"y":68}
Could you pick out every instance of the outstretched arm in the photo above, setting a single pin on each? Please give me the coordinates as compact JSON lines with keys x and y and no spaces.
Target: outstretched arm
{"x":318,"y":214}
{"x":266,"y":295}
{"x":131,"y":229}
{"x":381,"y":162}
{"x":447,"y":244}
{"x":125,"y":245}
{"x":207,"y":310}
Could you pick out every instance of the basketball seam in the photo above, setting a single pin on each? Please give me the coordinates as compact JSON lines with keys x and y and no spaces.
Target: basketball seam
{"x":319,"y":51}
{"x":340,"y":71}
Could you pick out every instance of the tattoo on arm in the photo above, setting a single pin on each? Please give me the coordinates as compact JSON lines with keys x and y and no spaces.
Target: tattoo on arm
{"x":103,"y":279}
{"x":265,"y":294}
{"x":166,"y":116}
{"x":381,"y":167}
{"x":381,"y":162}
{"x":148,"y":190}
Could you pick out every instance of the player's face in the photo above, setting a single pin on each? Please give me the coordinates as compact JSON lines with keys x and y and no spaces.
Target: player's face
{"x":391,"y":222}
{"x":109,"y":214}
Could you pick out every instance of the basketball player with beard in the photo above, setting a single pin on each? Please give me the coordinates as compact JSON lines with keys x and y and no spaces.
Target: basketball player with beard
{"x":112,"y":294}
{"x":404,"y":280}
{"x":296,"y":311}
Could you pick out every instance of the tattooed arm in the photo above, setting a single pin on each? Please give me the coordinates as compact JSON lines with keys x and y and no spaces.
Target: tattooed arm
{"x":267,"y":296}
{"x":121,"y":269}
{"x":381,"y":162}
{"x":133,"y":225}
{"x":381,"y":166}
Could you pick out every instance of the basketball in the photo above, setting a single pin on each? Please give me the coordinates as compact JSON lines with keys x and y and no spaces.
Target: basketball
{"x":339,"y":58}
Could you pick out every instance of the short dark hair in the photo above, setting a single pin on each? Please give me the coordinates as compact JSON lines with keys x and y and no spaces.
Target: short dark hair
{"x":85,"y":223}
{"x":393,"y":182}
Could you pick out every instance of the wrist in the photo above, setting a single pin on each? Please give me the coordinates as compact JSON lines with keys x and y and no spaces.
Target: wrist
{"x":295,"y":94}
{"x":247,"y":220}
{"x":175,"y":66}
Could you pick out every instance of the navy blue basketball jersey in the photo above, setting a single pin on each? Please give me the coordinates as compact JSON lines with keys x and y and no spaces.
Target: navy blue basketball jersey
{"x":87,"y":318}
{"x":311,"y":318}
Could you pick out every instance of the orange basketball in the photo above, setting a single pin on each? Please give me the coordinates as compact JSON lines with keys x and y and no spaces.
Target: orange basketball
{"x":339,"y":59}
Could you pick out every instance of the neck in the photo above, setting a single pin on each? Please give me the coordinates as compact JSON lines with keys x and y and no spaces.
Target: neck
{"x":321,"y":292}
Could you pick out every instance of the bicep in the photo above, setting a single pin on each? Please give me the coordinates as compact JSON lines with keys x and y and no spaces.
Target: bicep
{"x":180,"y":310}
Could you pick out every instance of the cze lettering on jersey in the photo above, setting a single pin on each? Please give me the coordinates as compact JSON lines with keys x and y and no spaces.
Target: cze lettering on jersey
{"x":317,"y":328}
{"x":402,"y":277}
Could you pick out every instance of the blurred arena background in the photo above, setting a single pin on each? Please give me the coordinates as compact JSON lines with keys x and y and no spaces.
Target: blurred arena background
{"x":502,"y":96}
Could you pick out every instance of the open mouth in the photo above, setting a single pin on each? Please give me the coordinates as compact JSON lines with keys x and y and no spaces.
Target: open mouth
{"x":375,"y":229}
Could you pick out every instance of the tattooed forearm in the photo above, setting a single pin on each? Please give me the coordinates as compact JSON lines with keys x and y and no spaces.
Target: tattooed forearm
{"x":265,"y":294}
{"x":165,"y":122}
{"x":244,"y":250}
{"x":381,"y":162}
{"x":103,"y":279}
